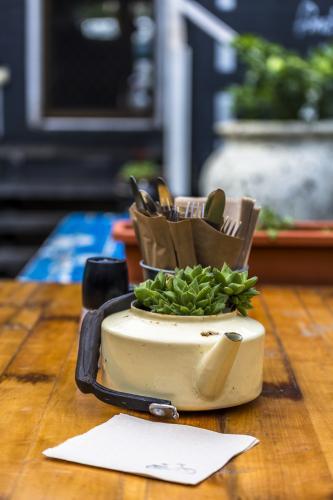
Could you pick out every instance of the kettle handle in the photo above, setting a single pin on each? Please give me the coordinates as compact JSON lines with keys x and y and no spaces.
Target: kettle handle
{"x":87,"y":364}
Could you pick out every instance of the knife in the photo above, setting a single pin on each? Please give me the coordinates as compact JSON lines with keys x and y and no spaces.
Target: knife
{"x":214,"y":208}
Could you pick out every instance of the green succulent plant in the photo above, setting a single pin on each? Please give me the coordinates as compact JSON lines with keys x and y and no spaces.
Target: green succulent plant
{"x":198,"y":291}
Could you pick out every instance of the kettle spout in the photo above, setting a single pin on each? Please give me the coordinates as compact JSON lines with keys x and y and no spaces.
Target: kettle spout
{"x":215,"y":366}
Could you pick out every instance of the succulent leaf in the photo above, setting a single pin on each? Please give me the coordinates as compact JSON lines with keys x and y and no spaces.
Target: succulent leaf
{"x":198,"y":291}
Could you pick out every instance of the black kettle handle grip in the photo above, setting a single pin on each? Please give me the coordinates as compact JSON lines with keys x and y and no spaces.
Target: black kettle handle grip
{"x":88,"y":355}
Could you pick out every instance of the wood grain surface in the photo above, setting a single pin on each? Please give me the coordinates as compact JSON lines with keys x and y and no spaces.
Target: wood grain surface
{"x":41,"y":406}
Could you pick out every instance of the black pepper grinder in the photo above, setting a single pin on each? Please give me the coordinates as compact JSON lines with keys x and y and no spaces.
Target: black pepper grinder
{"x":104,"y":278}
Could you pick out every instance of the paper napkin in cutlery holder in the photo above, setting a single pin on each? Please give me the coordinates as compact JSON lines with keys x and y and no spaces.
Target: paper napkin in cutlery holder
{"x":155,"y":240}
{"x":212,"y":247}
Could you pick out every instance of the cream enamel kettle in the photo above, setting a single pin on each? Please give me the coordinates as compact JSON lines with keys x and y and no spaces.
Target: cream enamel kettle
{"x":162,"y":363}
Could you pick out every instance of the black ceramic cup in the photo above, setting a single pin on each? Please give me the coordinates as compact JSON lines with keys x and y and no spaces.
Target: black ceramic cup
{"x":103,"y":279}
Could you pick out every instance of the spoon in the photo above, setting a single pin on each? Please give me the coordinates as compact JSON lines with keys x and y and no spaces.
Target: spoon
{"x":150,"y":205}
{"x":164,"y":194}
{"x":138,"y":198}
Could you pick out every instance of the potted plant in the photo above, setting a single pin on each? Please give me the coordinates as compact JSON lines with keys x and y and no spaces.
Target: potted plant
{"x":186,"y":339}
{"x":280,"y":147}
{"x":283,"y":250}
{"x":144,"y":171}
{"x":293,"y":252}
{"x":198,"y":291}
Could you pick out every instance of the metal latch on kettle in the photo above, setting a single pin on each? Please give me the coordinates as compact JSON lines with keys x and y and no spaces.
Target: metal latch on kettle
{"x":163,"y":411}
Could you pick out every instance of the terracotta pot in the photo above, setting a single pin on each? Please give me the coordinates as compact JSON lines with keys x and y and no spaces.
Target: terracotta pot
{"x":123,"y":231}
{"x":302,"y":256}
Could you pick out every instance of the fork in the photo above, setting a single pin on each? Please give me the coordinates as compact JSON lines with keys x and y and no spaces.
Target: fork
{"x":194,"y":209}
{"x":170,"y":212}
{"x":230,"y":226}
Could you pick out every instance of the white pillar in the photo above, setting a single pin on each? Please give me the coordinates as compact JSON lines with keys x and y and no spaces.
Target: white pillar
{"x":178,"y":86}
{"x":4,"y":79}
{"x":177,"y":102}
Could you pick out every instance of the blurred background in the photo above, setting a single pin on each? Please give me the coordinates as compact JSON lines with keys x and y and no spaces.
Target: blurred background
{"x":93,"y":91}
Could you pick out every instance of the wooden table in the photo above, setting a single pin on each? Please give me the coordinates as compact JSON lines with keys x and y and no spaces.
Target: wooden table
{"x":41,"y":407}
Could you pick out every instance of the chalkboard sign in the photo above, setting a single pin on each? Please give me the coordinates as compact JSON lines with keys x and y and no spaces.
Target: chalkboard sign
{"x":293,"y":22}
{"x":296,"y":24}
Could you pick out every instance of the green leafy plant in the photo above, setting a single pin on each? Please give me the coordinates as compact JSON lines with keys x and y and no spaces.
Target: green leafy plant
{"x":272,"y":222}
{"x":198,"y":291}
{"x":281,"y":84}
{"x":139,"y":170}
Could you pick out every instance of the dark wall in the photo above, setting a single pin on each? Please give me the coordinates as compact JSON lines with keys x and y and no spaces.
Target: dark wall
{"x":202,"y":97}
{"x":272,"y":19}
{"x":44,"y":175}
{"x":11,"y":55}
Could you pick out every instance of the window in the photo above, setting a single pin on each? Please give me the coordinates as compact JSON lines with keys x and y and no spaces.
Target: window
{"x":96,"y":59}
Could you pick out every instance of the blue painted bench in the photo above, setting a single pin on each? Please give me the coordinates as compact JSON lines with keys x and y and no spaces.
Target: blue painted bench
{"x":79,"y":235}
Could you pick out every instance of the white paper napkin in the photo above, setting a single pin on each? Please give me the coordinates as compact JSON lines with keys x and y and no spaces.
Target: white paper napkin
{"x":172,"y":452}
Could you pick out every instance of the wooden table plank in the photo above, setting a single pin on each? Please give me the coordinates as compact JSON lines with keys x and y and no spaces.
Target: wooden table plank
{"x":6,"y":312}
{"x":280,"y":419}
{"x":313,"y":331}
{"x":16,"y":319}
{"x":12,"y":335}
{"x":15,"y":293}
{"x":79,"y":413}
{"x":293,"y":417}
{"x":65,"y":304}
{"x":27,"y":383}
